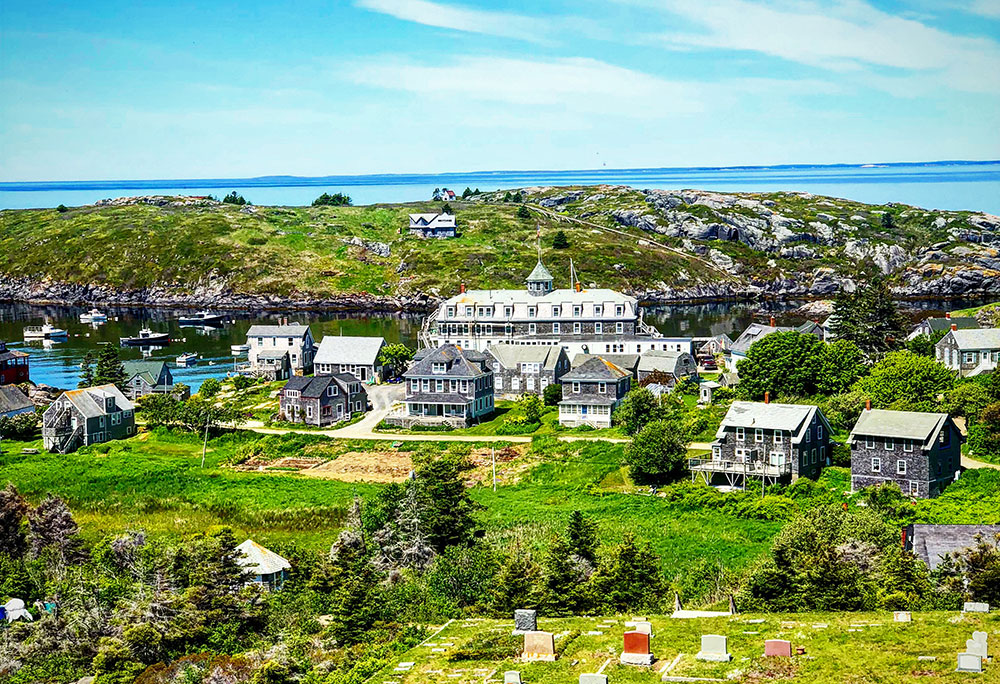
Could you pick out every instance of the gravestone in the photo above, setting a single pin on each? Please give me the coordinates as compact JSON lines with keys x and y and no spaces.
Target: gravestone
{"x":972,"y":607}
{"x":636,"y":649}
{"x":983,"y":638}
{"x":539,"y":646}
{"x":714,"y":649}
{"x":644,"y":627}
{"x":512,"y":677}
{"x":902,"y":616}
{"x":969,"y":662}
{"x":525,"y":621}
{"x":976,"y":647}
{"x":778,"y":647}
{"x":593,"y":679}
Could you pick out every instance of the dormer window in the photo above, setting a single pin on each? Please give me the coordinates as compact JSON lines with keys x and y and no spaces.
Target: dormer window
{"x":439,"y":367}
{"x":577,"y":310}
{"x":740,"y":434}
{"x":620,"y":310}
{"x":451,"y":312}
{"x":556,"y":311}
{"x":576,"y":387}
{"x":508,"y":311}
{"x":598,"y":310}
{"x":532,"y":311}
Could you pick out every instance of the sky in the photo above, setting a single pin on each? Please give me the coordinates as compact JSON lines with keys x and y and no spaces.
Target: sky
{"x":118,"y":89}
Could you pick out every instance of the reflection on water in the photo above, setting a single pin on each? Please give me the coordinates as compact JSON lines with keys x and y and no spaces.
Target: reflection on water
{"x":57,"y":363}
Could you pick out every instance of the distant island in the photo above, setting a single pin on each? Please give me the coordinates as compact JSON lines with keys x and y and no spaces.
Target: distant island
{"x":661,"y":246}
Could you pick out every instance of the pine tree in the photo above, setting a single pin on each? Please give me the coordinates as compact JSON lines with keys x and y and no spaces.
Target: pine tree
{"x":560,"y":241}
{"x":109,"y":368}
{"x":466,"y":193}
{"x":581,"y":534}
{"x":629,"y":578}
{"x":445,"y":506}
{"x":518,"y":584}
{"x":87,"y":374}
{"x":402,"y":543}
{"x":868,"y":317}
{"x":563,"y":580}
{"x":13,"y":509}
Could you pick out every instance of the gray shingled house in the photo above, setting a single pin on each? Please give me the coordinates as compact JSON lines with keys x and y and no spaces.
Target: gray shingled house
{"x":87,"y":416}
{"x":147,"y":377}
{"x":970,"y":352}
{"x":931,"y":543}
{"x":446,"y":386}
{"x":921,"y":452}
{"x":322,"y":400}
{"x":348,"y":354}
{"x":592,"y":392}
{"x":14,"y":402}
{"x":774,"y":442}
{"x":520,"y":369}
{"x":667,"y":367}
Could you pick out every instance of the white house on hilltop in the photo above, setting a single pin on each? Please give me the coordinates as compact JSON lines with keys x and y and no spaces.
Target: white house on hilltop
{"x":432,"y":225}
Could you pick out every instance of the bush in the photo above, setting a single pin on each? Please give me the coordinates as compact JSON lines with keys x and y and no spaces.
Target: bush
{"x":337,"y":199}
{"x":242,"y":382}
{"x":656,"y":455}
{"x":62,"y":208}
{"x":517,"y":425}
{"x":904,"y":380}
{"x":552,"y":394}
{"x":234,"y":198}
{"x":210,"y":387}
{"x":19,"y":426}
{"x":523,"y":213}
{"x":257,"y":240}
{"x":531,"y":407}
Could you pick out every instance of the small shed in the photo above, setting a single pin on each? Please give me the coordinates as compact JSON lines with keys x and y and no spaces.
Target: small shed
{"x":268,"y":568}
{"x":705,"y":391}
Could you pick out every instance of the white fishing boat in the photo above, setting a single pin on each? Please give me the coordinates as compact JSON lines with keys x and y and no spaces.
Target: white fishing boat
{"x":187,"y":359}
{"x":146,"y":337}
{"x":94,"y":316}
{"x":43,"y":332}
{"x":201,"y":318}
{"x":239,"y":349}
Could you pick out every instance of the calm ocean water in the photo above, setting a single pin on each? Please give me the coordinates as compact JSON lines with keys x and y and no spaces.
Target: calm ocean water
{"x":972,"y":186}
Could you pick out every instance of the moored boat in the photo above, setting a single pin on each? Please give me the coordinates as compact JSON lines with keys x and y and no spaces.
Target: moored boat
{"x":94,"y":316}
{"x":239,"y":349}
{"x":43,"y":332}
{"x":201,"y":318}
{"x":187,"y":359}
{"x":146,"y":337}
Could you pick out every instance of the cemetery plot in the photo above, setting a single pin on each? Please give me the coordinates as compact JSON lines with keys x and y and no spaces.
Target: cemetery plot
{"x":487,"y":652}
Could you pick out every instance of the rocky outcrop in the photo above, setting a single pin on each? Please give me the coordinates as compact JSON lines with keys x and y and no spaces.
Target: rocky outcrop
{"x":382,"y":249}
{"x":158,"y":201}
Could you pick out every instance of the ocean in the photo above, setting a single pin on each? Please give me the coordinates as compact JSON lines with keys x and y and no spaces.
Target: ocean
{"x":954,"y":185}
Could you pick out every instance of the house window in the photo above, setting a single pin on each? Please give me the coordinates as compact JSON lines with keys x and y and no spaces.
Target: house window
{"x":620,"y":328}
{"x":819,"y":432}
{"x":331,"y":391}
{"x":499,"y":382}
{"x":555,"y":328}
{"x":414,"y":385}
{"x":468,"y":311}
{"x":944,"y":438}
{"x":740,"y":434}
{"x":532,"y":311}
{"x":116,"y":418}
{"x":901,"y":467}
{"x":530,"y":383}
{"x":309,"y":411}
{"x":451,"y":312}
{"x":907,"y":445}
{"x":439,"y":386}
{"x":778,"y":437}
{"x":914,"y":489}
{"x":620,"y":310}
{"x":531,"y":328}
{"x":577,"y":311}
{"x":970,"y":357}
{"x":515,"y":383}
{"x":758,"y":435}
{"x":598,"y":328}
{"x":576,"y":328}
{"x":556,"y":311}
{"x":716,"y":453}
{"x":508,"y":311}
{"x":439,"y":367}
{"x":889,"y":445}
{"x":876,"y":465}
{"x":102,"y":422}
{"x":602,"y":387}
{"x":425,"y":385}
{"x":576,"y":388}
{"x":598,"y":310}
{"x":869,"y":442}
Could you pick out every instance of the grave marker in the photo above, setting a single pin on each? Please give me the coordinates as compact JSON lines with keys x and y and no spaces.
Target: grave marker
{"x":983,"y":638}
{"x":778,"y":648}
{"x":969,"y":662}
{"x":636,"y":649}
{"x":525,"y":621}
{"x":512,"y":677}
{"x":902,"y":616}
{"x":644,"y":627}
{"x":972,"y":607}
{"x":975,"y":647}
{"x":714,"y":649}
{"x":539,"y":646}
{"x":593,"y":679}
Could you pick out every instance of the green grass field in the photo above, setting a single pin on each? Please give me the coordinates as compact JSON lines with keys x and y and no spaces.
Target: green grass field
{"x":839,"y":648}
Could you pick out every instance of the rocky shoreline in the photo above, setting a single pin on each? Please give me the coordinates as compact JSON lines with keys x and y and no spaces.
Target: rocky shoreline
{"x":819,"y":286}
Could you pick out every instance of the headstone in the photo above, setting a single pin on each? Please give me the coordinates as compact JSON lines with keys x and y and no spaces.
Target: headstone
{"x":969,"y":662}
{"x":976,"y":647}
{"x":778,"y":647}
{"x":971,"y":607}
{"x":636,"y":649}
{"x":525,"y":621}
{"x":539,"y":646}
{"x":644,"y":627}
{"x":512,"y":677}
{"x":902,"y":616}
{"x":983,"y":638}
{"x":714,"y":649}
{"x":593,"y":679}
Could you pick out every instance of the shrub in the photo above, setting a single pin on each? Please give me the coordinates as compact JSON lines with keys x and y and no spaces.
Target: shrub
{"x":210,"y":387}
{"x":62,"y":208}
{"x":19,"y":426}
{"x":337,"y":199}
{"x":552,"y":394}
{"x":656,"y":455}
{"x":242,"y":382}
{"x":517,"y":425}
{"x":257,"y":240}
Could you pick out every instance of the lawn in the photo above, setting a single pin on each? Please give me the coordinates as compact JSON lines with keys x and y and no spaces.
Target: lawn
{"x":839,"y":647}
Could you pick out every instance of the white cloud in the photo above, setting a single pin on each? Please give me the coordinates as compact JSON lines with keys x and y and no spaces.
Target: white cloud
{"x":501,"y":24}
{"x":843,"y":36}
{"x":985,"y":8}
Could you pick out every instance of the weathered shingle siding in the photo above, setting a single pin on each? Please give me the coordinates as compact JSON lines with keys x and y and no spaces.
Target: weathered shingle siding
{"x":927,"y":472}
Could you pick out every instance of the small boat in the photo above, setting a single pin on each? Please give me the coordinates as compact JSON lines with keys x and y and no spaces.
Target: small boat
{"x":146,"y":337}
{"x":94,"y":316}
{"x":44,"y":332}
{"x":187,"y":359}
{"x":201,"y":318}
{"x":239,"y":349}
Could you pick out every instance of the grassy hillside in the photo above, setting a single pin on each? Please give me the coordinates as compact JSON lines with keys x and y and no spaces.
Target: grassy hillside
{"x":619,"y":237}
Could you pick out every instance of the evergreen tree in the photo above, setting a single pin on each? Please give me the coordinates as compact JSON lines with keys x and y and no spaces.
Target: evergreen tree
{"x":234,"y":198}
{"x":467,"y":192}
{"x":563,"y":580}
{"x":87,"y":373}
{"x":445,"y":506}
{"x":868,"y":317}
{"x":436,"y":195}
{"x":581,"y":534}
{"x":109,"y":367}
{"x":507,"y":197}
{"x":402,"y":543}
{"x":560,"y":241}
{"x":518,"y":584}
{"x":13,"y":510}
{"x":629,"y":578}
{"x":523,"y":213}
{"x":446,"y":209}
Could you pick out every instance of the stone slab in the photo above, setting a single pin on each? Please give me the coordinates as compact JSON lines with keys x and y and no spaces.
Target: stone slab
{"x":644,"y":627}
{"x":512,"y":677}
{"x":778,"y":648}
{"x":969,"y":662}
{"x":593,"y":679}
{"x":902,"y":616}
{"x":974,"y":607}
{"x":539,"y":646}
{"x":636,"y":642}
{"x":636,"y":659}
{"x":526,"y":620}
{"x":714,"y":648}
{"x":975,"y":647}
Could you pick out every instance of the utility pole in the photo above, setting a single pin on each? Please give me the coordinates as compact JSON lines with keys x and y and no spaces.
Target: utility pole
{"x":204,"y":445}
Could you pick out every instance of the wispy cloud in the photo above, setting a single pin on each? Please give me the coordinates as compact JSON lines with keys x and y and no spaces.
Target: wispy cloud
{"x":502,"y":24}
{"x":844,"y":36}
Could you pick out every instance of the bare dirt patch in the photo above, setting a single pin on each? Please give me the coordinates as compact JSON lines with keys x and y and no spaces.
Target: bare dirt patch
{"x":365,"y":466}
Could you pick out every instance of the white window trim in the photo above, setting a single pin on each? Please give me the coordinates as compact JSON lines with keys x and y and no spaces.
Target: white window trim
{"x":876,"y":464}
{"x":901,"y":467}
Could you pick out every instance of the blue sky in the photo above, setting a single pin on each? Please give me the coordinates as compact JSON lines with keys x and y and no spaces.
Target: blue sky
{"x":179,"y":89}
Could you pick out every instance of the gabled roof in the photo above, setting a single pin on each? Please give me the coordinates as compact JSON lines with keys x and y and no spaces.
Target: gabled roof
{"x":596,"y":368}
{"x":432,"y":221}
{"x":940,"y":323}
{"x":793,"y":418}
{"x":90,"y":400}
{"x":460,"y":363}
{"x":13,"y":399}
{"x":149,"y":370}
{"x":932,"y":542}
{"x":539,"y":273}
{"x":627,"y":362}
{"x":260,"y":560}
{"x":923,"y":427}
{"x":361,"y":351}
{"x":510,"y":355}
{"x":6,"y":353}
{"x":666,"y":361}
{"x":314,"y":387}
{"x":295,"y":330}
{"x":982,"y":338}
{"x":753,"y":333}
{"x":723,"y":340}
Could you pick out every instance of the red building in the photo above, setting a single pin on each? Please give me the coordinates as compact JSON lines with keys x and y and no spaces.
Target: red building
{"x":13,"y":366}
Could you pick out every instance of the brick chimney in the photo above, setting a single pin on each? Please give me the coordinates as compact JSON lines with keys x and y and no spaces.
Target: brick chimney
{"x":868,"y":404}
{"x":773,"y":323}
{"x":578,"y":286}
{"x":767,"y":397}
{"x":947,"y":314}
{"x":461,"y":288}
{"x":954,"y":326}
